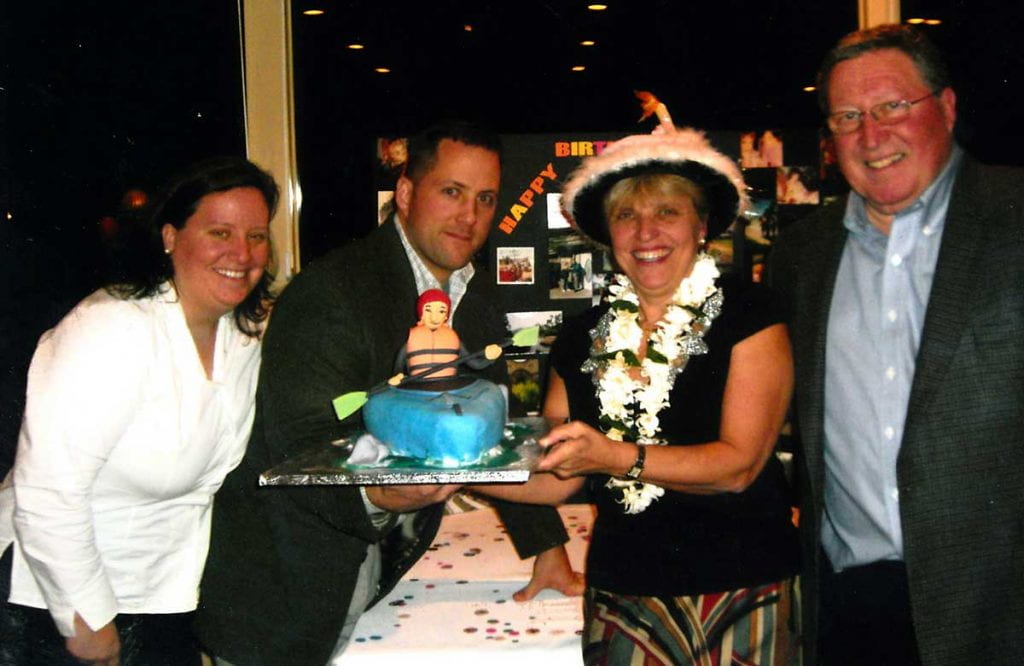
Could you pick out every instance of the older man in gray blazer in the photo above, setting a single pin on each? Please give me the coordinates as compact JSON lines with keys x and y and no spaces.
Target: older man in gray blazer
{"x":907,"y":318}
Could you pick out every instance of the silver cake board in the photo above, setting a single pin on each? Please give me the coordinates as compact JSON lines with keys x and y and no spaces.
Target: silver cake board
{"x":327,"y":464}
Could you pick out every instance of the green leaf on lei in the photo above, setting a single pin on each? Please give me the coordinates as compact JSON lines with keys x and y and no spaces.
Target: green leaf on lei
{"x":625,"y":305}
{"x":655,"y":355}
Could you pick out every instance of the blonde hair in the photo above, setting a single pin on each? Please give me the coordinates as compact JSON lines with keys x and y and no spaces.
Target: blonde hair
{"x":651,"y":184}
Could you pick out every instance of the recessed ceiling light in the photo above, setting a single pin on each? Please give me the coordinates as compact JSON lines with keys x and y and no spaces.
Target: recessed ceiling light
{"x":810,"y":88}
{"x":468,"y":27}
{"x":915,"y":21}
{"x":382,"y":70}
{"x":356,"y":47}
{"x":587,"y":42}
{"x":313,"y":12}
{"x":597,"y":8}
{"x":578,"y":68}
{"x":933,"y":21}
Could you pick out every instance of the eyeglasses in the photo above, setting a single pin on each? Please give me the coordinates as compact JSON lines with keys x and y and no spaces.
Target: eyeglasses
{"x":886,"y":113}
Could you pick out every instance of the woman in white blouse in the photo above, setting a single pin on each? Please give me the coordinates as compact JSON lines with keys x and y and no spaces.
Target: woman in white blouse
{"x":139,"y":402}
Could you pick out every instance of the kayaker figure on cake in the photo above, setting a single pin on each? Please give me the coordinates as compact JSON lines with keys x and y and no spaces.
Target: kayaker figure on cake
{"x":433,"y":349}
{"x":433,"y":413}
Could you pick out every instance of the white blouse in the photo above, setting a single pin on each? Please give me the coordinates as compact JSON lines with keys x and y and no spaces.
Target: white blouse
{"x":123,"y":444}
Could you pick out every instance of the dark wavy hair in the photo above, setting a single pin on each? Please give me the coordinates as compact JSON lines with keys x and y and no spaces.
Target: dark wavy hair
{"x":139,"y":265}
{"x":423,"y":145}
{"x":927,"y":57}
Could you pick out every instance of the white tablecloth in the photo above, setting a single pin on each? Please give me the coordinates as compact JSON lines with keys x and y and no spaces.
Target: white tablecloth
{"x":455,"y":605}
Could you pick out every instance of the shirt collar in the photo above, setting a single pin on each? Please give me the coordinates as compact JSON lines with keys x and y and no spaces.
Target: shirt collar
{"x":458,"y":281}
{"x":933,"y":198}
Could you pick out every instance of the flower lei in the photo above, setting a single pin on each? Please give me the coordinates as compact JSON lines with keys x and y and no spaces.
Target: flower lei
{"x":632,"y":392}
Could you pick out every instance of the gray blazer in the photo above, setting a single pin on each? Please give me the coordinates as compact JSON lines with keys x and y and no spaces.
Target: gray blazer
{"x":961,"y":463}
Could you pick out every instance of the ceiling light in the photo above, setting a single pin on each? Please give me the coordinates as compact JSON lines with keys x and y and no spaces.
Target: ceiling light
{"x":810,"y":88}
{"x":578,"y":68}
{"x":587,"y":42}
{"x":933,"y":21}
{"x":313,"y":12}
{"x":356,"y":47}
{"x":597,"y":8}
{"x":382,"y":70}
{"x":915,"y":21}
{"x":468,"y":27}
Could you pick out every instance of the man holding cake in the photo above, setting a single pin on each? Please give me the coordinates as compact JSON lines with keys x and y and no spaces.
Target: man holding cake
{"x":291,"y":569}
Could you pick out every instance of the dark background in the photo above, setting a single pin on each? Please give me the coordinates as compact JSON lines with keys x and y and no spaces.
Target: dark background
{"x":98,"y":98}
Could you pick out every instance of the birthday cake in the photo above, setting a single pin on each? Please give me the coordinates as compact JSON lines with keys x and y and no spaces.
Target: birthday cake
{"x":431,"y":413}
{"x":448,"y":428}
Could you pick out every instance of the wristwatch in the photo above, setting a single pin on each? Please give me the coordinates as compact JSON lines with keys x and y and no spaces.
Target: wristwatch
{"x":638,"y":466}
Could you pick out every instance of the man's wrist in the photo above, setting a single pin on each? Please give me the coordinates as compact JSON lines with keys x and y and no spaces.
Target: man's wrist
{"x":378,"y":516}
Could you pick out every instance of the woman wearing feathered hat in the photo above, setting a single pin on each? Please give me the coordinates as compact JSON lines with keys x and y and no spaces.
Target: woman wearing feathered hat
{"x":677,"y":387}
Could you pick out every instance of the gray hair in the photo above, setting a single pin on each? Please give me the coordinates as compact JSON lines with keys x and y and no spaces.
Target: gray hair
{"x":928,"y":60}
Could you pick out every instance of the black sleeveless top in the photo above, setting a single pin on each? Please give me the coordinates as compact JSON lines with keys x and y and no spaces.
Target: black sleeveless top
{"x":686,"y":544}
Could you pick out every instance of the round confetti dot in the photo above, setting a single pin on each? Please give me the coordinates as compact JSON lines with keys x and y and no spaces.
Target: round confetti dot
{"x":492,"y":630}
{"x":430,"y":586}
{"x":481,"y":611}
{"x":375,"y":638}
{"x":493,"y":621}
{"x":533,"y":630}
{"x":462,"y":582}
{"x":470,"y":630}
{"x":404,"y":616}
{"x":397,"y":602}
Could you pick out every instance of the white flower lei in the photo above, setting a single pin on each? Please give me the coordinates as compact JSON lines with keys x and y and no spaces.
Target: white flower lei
{"x":631,"y":392}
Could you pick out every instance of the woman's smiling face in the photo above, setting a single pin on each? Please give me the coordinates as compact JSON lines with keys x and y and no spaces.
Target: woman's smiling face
{"x":655,"y":235}
{"x":219,"y":255}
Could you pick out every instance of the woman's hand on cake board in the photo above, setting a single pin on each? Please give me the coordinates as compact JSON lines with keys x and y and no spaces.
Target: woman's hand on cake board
{"x":575,"y":449}
{"x":409,"y":498}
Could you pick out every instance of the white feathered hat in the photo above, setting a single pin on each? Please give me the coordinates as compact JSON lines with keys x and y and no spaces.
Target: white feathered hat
{"x":685,"y":152}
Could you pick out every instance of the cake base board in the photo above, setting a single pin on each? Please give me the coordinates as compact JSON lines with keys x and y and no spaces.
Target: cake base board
{"x":327,"y":464}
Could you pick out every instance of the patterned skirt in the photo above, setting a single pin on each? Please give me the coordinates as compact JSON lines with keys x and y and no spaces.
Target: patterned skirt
{"x":755,"y":625}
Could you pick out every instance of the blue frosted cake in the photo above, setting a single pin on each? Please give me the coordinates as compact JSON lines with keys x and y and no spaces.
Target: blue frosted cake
{"x":449,"y":428}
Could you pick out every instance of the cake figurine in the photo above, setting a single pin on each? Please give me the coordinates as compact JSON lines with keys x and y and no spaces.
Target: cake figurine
{"x":431,"y":411}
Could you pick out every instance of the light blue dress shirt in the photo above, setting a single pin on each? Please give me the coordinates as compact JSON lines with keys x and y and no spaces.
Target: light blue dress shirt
{"x":874,"y":330}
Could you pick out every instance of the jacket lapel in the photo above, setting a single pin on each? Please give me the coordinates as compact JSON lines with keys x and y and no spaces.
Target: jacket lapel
{"x":958,"y":275}
{"x":818,"y":281}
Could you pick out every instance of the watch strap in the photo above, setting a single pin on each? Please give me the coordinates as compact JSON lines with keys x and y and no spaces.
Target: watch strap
{"x":638,"y":466}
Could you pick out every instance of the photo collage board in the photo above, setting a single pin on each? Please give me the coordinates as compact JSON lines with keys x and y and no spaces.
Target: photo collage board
{"x":546,"y":271}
